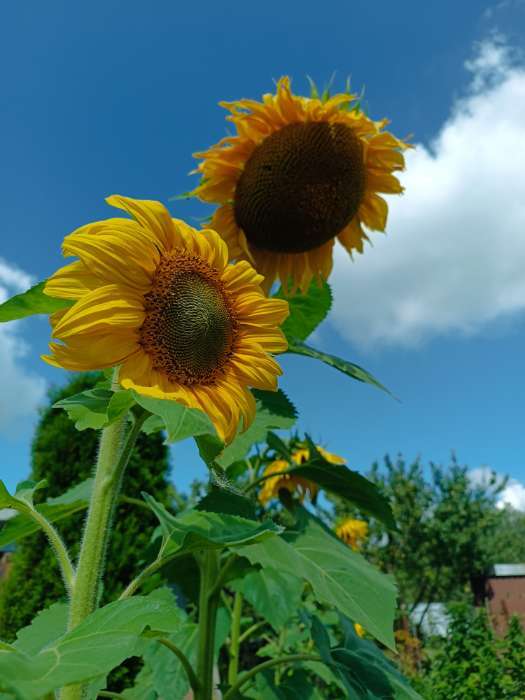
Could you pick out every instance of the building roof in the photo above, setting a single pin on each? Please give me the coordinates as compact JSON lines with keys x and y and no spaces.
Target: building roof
{"x":507,"y":570}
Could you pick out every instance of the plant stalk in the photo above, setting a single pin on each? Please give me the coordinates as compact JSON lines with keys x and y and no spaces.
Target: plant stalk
{"x":208,"y":605}
{"x":233,"y":666}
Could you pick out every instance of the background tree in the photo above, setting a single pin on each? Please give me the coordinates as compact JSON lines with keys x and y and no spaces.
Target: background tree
{"x":65,"y":457}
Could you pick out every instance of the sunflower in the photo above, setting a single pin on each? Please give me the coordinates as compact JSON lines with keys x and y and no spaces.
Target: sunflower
{"x":158,"y":299}
{"x":292,"y":483}
{"x":353,"y":532}
{"x":299,"y":173}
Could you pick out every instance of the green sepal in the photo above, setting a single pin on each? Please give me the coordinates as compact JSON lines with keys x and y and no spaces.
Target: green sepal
{"x":179,"y":421}
{"x":307,"y":310}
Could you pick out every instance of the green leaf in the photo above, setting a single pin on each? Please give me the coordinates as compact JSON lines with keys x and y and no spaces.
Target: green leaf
{"x":54,"y":509}
{"x":46,"y":627}
{"x":210,"y":447}
{"x":348,"y":368}
{"x":119,"y":404}
{"x":306,"y":310}
{"x":223,"y":500}
{"x":100,"y":643}
{"x":88,"y":409}
{"x":168,"y":677}
{"x":274,"y":594}
{"x":34,"y":301}
{"x":279,"y":446}
{"x":338,"y":575}
{"x":23,"y":497}
{"x":194,"y":529}
{"x":294,"y":686}
{"x":179,"y":421}
{"x":361,"y":666}
{"x":274,"y":410}
{"x":348,"y":484}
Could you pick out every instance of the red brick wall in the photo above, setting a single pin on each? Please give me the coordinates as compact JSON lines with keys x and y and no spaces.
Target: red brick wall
{"x":506,"y":597}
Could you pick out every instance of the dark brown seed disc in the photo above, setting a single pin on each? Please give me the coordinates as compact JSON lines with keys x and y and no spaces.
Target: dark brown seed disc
{"x":188,"y":330}
{"x":300,"y":187}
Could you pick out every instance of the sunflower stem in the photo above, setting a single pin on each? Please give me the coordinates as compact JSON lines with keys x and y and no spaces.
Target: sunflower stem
{"x":114,"y":453}
{"x":208,"y":604}
{"x":235,"y":634}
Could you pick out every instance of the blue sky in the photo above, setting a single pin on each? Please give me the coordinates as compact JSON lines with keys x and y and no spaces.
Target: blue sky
{"x":113,"y":97}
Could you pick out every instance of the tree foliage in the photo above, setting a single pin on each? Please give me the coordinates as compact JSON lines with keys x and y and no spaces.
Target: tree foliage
{"x":473,"y":663}
{"x":446,"y":526}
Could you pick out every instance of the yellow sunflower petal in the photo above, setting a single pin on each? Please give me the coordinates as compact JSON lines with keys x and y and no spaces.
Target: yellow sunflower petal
{"x":103,"y":308}
{"x":352,"y":236}
{"x":71,"y":281}
{"x":374,"y":212}
{"x":151,"y":215}
{"x":116,"y":256}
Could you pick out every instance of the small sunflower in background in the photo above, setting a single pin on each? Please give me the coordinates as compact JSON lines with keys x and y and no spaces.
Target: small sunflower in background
{"x":158,"y":299}
{"x":299,"y":173}
{"x":353,"y":532}
{"x":293,"y":483}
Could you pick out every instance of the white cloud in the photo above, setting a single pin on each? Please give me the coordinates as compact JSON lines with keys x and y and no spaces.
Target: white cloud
{"x":512,"y":495}
{"x":454,"y":255}
{"x":22,"y":391}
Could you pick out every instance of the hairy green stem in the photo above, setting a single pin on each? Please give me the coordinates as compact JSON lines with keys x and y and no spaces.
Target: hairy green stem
{"x":242,"y":680}
{"x":247,"y":633}
{"x":233,"y":666}
{"x":147,"y":572}
{"x":112,"y":460}
{"x":194,"y":681}
{"x":208,"y":605}
{"x":258,"y":481}
{"x":57,"y":544}
{"x":223,"y":573}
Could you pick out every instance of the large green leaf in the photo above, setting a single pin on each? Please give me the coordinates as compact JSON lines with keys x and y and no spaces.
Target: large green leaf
{"x":22,"y":500}
{"x":338,"y":576}
{"x":306,"y":310}
{"x":48,"y":625}
{"x":54,"y":509}
{"x":226,"y":500}
{"x":274,"y":594}
{"x":88,"y":409}
{"x":179,"y":421}
{"x":365,"y":671}
{"x":347,"y":484}
{"x":99,"y":644}
{"x":348,"y":368}
{"x":34,"y":301}
{"x":97,"y":407}
{"x":274,"y":410}
{"x":194,"y":529}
